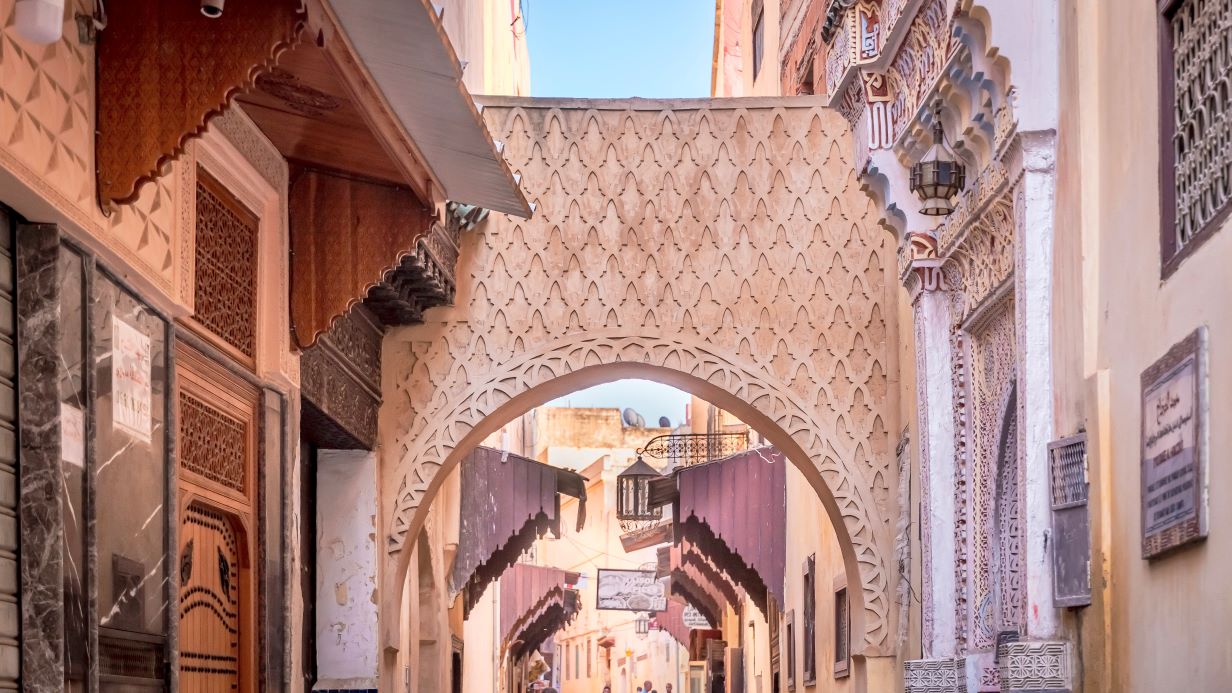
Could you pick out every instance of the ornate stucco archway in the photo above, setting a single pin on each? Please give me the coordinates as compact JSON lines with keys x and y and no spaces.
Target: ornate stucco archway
{"x":720,"y":246}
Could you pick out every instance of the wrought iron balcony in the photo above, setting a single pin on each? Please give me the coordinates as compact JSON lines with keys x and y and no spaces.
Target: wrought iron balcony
{"x":688,"y":449}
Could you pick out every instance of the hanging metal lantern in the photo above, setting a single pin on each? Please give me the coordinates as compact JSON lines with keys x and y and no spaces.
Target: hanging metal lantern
{"x":641,"y":625}
{"x":633,"y":493}
{"x":940,"y":175}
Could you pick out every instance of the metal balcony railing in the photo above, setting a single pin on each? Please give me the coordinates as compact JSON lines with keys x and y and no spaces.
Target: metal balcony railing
{"x":687,"y":449}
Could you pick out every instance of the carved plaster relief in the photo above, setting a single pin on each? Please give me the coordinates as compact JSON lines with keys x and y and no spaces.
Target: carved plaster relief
{"x":732,"y":245}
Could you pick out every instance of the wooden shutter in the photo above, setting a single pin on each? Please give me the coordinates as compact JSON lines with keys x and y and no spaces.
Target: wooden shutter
{"x":1071,"y":522}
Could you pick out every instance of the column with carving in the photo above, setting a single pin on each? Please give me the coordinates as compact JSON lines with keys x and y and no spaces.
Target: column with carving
{"x":939,"y":671}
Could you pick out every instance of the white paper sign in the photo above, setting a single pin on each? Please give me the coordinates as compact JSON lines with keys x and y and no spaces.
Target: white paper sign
{"x":130,"y":380}
{"x":693,"y":618}
{"x":72,"y":435}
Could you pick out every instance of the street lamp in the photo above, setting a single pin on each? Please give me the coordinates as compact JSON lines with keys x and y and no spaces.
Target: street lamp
{"x":940,"y":175}
{"x":633,"y":493}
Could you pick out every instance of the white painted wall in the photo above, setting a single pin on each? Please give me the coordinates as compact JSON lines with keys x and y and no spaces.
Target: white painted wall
{"x":347,"y":645}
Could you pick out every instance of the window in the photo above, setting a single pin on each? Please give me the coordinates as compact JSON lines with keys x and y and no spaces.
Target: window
{"x":589,"y":657}
{"x":810,"y":621}
{"x":759,"y":36}
{"x":577,"y":660}
{"x":842,"y":632}
{"x":1195,"y":64}
{"x":791,"y":650}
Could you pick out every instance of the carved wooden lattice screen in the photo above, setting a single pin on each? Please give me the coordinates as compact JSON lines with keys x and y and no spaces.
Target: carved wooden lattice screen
{"x":213,"y":443}
{"x":225,"y":293}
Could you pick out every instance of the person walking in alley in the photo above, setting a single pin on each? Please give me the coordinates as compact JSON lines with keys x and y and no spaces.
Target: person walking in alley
{"x":649,"y":687}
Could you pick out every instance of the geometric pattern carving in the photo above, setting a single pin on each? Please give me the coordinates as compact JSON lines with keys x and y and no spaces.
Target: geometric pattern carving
{"x":995,"y":520}
{"x":212,"y":444}
{"x":934,"y":676}
{"x":1035,"y":666}
{"x":919,"y":62}
{"x":225,"y":296}
{"x":729,"y":244}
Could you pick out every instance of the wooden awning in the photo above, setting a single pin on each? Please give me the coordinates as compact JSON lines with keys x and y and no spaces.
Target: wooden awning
{"x":507,"y":501}
{"x":734,"y":512}
{"x":369,"y":87}
{"x":535,"y":602}
{"x":363,"y":97}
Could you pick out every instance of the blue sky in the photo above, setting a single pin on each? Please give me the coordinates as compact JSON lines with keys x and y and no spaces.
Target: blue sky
{"x":600,"y":48}
{"x":649,"y":398}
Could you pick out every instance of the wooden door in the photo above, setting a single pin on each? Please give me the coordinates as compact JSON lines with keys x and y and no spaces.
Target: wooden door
{"x":209,"y":601}
{"x":217,"y":419}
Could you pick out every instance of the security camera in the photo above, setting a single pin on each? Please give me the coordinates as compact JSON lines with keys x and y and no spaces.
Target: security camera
{"x":212,"y":8}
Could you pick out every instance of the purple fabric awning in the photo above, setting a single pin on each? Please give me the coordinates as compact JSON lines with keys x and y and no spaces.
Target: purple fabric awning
{"x":734,"y":511}
{"x":672,"y":621}
{"x":507,"y":501}
{"x":535,"y":602}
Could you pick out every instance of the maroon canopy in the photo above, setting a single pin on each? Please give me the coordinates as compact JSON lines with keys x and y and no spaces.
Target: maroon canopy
{"x":698,"y":582}
{"x":535,"y":602}
{"x":507,"y":501}
{"x":672,"y":621}
{"x":734,"y":510}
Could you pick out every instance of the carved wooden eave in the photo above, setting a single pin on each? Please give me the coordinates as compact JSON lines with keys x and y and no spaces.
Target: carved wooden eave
{"x":164,"y":71}
{"x":376,"y":79}
{"x":348,"y":237}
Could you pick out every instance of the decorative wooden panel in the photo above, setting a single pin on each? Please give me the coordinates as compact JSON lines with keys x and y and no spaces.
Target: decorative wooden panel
{"x":209,"y":563}
{"x":212,"y":444}
{"x":347,"y":237}
{"x":164,"y":71}
{"x":225,"y":293}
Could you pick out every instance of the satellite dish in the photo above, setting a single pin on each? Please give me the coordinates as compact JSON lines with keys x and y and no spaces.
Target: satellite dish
{"x":665,"y":422}
{"x":629,"y":416}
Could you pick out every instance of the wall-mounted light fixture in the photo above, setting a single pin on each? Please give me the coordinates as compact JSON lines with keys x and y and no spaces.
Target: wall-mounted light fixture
{"x":633,"y":493}
{"x":39,"y":21}
{"x":939,"y":176}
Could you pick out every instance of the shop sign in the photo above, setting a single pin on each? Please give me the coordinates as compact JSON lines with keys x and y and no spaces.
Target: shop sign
{"x":1174,"y":450}
{"x":630,"y":590}
{"x":693,"y":618}
{"x":130,"y":380}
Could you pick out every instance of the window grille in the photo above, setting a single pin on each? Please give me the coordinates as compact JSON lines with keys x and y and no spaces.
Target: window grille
{"x":842,"y":633}
{"x":1196,"y":65}
{"x":1071,"y":524}
{"x":810,"y":621}
{"x":791,"y":650}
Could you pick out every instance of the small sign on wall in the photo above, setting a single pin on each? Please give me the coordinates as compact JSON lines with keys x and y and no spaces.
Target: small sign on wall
{"x":1174,"y":447}
{"x":131,"y":397}
{"x":630,"y":590}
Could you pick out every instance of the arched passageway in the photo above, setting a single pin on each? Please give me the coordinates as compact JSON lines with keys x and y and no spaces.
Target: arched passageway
{"x":724,"y":250}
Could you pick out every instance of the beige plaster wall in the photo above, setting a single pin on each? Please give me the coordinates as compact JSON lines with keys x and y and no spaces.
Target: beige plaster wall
{"x":734,"y":74}
{"x":489,"y":36}
{"x":1166,"y":629}
{"x":809,"y":532}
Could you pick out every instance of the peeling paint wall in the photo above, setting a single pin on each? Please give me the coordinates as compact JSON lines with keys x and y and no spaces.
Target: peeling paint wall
{"x":347,"y":646}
